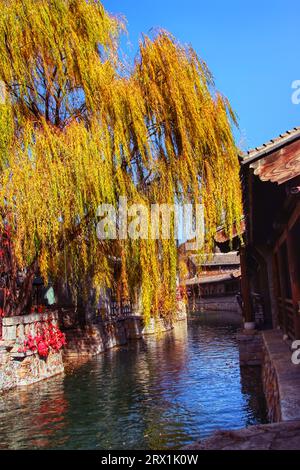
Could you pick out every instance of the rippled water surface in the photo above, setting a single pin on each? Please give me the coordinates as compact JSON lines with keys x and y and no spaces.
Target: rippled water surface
{"x":156,"y":394}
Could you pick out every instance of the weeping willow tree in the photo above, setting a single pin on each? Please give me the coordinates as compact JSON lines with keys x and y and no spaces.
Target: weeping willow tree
{"x":79,"y":128}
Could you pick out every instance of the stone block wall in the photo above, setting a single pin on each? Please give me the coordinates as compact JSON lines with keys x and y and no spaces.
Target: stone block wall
{"x":25,"y":368}
{"x":16,"y":328}
{"x":250,"y":348}
{"x":98,"y":338}
{"x":94,"y":339}
{"x":281,"y":378}
{"x":136,"y":329}
{"x":216,"y":304}
{"x":271,"y":388}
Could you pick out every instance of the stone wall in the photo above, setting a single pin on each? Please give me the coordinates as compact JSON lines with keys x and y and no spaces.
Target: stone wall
{"x":250,"y":348}
{"x":216,"y":304}
{"x":136,"y":329}
{"x":281,"y":378}
{"x":98,"y":338}
{"x":271,"y":388}
{"x":25,"y":368}
{"x":94,"y":339}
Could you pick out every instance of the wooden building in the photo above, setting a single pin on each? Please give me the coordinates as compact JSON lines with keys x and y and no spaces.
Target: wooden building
{"x":215,"y":275}
{"x":213,"y":282}
{"x":270,"y":260}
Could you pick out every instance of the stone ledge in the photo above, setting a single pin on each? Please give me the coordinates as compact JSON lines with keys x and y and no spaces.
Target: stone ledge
{"x":248,"y":335}
{"x":27,"y":319}
{"x":278,"y":436}
{"x":6,"y":345}
{"x":21,"y":355}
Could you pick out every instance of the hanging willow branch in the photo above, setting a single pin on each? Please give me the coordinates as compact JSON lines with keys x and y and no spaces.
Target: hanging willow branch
{"x":77,"y":130}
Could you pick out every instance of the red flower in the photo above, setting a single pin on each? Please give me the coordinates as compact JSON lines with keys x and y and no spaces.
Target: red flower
{"x":48,"y":337}
{"x":43,"y":349}
{"x":30,"y":343}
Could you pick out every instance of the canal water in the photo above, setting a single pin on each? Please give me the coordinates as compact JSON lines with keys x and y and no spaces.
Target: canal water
{"x":161,"y":393}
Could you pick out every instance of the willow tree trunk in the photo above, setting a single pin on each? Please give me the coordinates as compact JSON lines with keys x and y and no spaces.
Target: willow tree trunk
{"x":15,"y":294}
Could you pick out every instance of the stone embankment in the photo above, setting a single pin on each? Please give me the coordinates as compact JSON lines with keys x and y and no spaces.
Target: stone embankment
{"x":281,"y":383}
{"x":25,"y":368}
{"x":250,"y":347}
{"x":22,"y":368}
{"x":281,"y":378}
{"x":226,"y":303}
{"x":100,"y":337}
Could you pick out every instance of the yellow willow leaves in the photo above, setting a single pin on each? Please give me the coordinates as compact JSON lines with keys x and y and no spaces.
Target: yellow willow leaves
{"x":6,"y":131}
{"x":38,"y":35}
{"x":77,"y":131}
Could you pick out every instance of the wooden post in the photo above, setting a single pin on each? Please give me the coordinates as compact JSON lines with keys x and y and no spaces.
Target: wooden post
{"x":295,"y":281}
{"x":247,"y":309}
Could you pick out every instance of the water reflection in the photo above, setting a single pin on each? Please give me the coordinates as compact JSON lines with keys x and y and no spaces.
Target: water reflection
{"x":160,"y":393}
{"x":252,"y":390}
{"x":31,"y":417}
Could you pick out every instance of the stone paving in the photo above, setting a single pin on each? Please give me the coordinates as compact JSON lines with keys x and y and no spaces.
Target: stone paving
{"x":277,"y":436}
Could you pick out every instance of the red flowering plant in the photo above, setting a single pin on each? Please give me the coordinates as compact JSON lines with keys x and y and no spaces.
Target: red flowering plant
{"x":48,"y":338}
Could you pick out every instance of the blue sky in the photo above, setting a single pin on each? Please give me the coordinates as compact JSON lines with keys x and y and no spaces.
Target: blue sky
{"x":252,"y":49}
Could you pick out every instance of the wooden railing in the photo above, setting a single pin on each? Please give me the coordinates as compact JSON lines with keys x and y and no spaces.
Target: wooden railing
{"x":287,"y":312}
{"x":119,"y":309}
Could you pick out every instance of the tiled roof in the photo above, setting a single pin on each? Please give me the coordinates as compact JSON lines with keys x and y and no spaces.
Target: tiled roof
{"x":271,"y":145}
{"x":217,"y":259}
{"x":213,"y":279}
{"x":278,"y":160}
{"x":222,"y":237}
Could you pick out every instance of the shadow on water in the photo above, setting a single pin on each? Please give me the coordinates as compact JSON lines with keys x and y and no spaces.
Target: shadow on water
{"x":161,"y":393}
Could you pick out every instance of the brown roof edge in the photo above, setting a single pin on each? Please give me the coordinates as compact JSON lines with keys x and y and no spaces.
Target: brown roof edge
{"x":233,"y":276}
{"x":270,"y":146}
